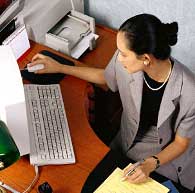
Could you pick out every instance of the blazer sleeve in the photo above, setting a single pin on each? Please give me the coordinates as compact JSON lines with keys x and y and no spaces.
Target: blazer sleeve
{"x":186,"y":127}
{"x":110,"y":73}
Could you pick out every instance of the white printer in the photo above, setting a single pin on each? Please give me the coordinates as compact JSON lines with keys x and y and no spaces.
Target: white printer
{"x":73,"y":34}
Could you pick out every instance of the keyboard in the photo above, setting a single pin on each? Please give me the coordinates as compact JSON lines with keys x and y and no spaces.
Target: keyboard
{"x":50,"y":140}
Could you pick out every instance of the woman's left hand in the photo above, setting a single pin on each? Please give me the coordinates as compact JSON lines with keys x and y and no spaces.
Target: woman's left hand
{"x":141,"y":173}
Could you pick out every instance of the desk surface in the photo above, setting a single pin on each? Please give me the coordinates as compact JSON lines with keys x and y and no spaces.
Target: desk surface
{"x":89,"y":150}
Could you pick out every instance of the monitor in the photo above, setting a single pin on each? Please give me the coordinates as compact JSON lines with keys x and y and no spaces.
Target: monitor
{"x":8,"y":10}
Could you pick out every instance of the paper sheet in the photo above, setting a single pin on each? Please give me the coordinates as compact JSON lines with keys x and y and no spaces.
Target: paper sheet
{"x":113,"y":184}
{"x":80,"y":48}
{"x":18,"y":41}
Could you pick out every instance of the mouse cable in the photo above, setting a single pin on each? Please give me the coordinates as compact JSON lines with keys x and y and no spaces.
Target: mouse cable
{"x":72,"y":4}
{"x":34,"y":180}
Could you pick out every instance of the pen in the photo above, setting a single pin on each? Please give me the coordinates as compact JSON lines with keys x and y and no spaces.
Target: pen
{"x":131,"y":171}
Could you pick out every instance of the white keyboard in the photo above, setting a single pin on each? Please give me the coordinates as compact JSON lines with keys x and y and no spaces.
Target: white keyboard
{"x":50,"y":140}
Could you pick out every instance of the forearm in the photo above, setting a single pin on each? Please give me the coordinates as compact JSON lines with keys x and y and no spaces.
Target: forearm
{"x":93,"y":75}
{"x":171,"y":152}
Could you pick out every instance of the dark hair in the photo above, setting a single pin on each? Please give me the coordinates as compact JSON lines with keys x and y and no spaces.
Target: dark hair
{"x":145,"y":33}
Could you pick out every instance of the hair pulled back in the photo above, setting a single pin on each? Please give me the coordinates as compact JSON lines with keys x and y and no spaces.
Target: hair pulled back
{"x":145,"y":33}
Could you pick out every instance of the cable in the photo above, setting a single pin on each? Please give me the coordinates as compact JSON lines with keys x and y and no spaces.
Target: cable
{"x":5,"y":186}
{"x":72,"y":3}
{"x":34,"y":180}
{"x":2,"y":184}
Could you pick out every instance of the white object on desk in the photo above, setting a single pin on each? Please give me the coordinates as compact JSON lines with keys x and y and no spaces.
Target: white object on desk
{"x":12,"y":102}
{"x":73,"y":34}
{"x":18,"y":41}
{"x":8,"y":188}
{"x":35,"y":67}
{"x":83,"y":45}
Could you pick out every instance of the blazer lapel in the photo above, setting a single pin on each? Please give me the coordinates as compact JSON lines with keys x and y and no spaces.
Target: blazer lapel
{"x":136,"y":86}
{"x":172,"y":91}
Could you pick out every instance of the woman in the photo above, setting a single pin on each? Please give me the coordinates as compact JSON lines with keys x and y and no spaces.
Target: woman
{"x":157,"y":94}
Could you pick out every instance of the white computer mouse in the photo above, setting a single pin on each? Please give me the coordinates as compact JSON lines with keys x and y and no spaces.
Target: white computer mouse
{"x":35,"y":67}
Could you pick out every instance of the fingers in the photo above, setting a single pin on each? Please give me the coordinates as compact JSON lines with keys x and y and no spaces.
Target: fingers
{"x":40,"y":72}
{"x":137,"y":177}
{"x":38,"y":59}
{"x":129,"y":167}
{"x":36,"y":62}
{"x":38,"y":56}
{"x":50,"y":65}
{"x":128,"y":170}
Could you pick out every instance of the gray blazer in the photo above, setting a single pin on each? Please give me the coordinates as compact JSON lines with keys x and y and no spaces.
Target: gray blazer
{"x":176,"y":115}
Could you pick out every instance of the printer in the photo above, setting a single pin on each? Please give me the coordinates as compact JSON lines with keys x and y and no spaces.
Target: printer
{"x":60,"y":24}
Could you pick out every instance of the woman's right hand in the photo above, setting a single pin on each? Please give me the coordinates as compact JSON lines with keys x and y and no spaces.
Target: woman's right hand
{"x":50,"y":65}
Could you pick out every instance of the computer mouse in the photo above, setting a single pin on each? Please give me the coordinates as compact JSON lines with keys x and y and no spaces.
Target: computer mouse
{"x":35,"y":67}
{"x":52,"y":78}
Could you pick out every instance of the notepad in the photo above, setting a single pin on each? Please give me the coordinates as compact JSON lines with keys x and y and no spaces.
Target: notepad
{"x":113,"y":184}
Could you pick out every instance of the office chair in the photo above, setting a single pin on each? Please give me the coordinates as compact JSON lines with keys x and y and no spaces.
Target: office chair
{"x":107,"y":114}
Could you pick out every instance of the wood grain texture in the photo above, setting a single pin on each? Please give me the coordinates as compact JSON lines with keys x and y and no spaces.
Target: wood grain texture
{"x":89,"y":150}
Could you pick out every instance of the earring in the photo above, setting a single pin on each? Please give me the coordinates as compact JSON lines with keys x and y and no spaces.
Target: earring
{"x":145,"y":62}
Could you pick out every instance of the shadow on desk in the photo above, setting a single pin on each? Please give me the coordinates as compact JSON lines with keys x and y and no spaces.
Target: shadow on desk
{"x":106,"y":112}
{"x":109,"y":163}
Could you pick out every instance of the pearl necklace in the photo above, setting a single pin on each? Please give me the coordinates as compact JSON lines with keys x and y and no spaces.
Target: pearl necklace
{"x":155,"y":89}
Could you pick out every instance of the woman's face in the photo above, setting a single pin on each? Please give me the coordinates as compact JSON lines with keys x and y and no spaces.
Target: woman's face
{"x":130,"y":61}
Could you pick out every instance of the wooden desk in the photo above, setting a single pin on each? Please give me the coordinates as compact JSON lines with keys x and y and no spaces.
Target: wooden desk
{"x":89,"y":150}
{"x":99,"y":57}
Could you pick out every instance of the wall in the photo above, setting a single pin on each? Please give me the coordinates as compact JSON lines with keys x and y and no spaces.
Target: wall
{"x":112,"y":13}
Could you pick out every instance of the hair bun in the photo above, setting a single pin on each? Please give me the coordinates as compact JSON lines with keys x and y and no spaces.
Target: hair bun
{"x":170,"y":29}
